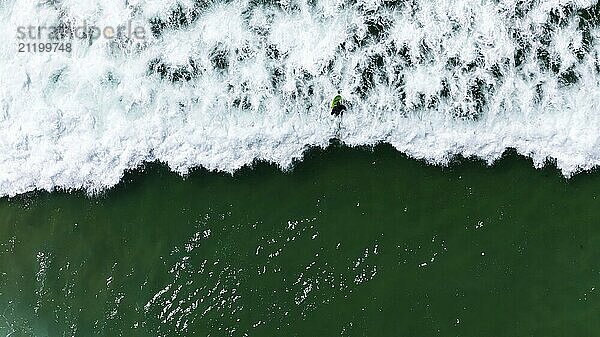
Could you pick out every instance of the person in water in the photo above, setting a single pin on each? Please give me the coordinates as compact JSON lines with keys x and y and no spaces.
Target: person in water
{"x":337,"y":108}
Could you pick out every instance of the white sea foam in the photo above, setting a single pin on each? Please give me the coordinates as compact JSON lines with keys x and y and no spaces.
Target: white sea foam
{"x":434,"y":79}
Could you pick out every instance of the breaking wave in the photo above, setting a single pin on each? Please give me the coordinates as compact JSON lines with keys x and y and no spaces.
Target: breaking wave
{"x":220,"y":84}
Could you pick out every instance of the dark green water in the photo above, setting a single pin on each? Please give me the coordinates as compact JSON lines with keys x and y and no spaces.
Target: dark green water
{"x":350,"y":243}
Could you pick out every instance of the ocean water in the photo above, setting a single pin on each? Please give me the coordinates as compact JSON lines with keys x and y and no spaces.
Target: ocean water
{"x":353,"y":242}
{"x":186,"y":183}
{"x":219,"y":84}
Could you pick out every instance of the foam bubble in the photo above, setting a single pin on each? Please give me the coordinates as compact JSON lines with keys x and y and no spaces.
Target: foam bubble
{"x":221,"y":85}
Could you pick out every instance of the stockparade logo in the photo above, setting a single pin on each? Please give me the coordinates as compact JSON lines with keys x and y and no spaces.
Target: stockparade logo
{"x":33,"y":38}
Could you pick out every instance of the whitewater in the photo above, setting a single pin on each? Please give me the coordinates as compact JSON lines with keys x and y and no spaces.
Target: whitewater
{"x":221,"y":84}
